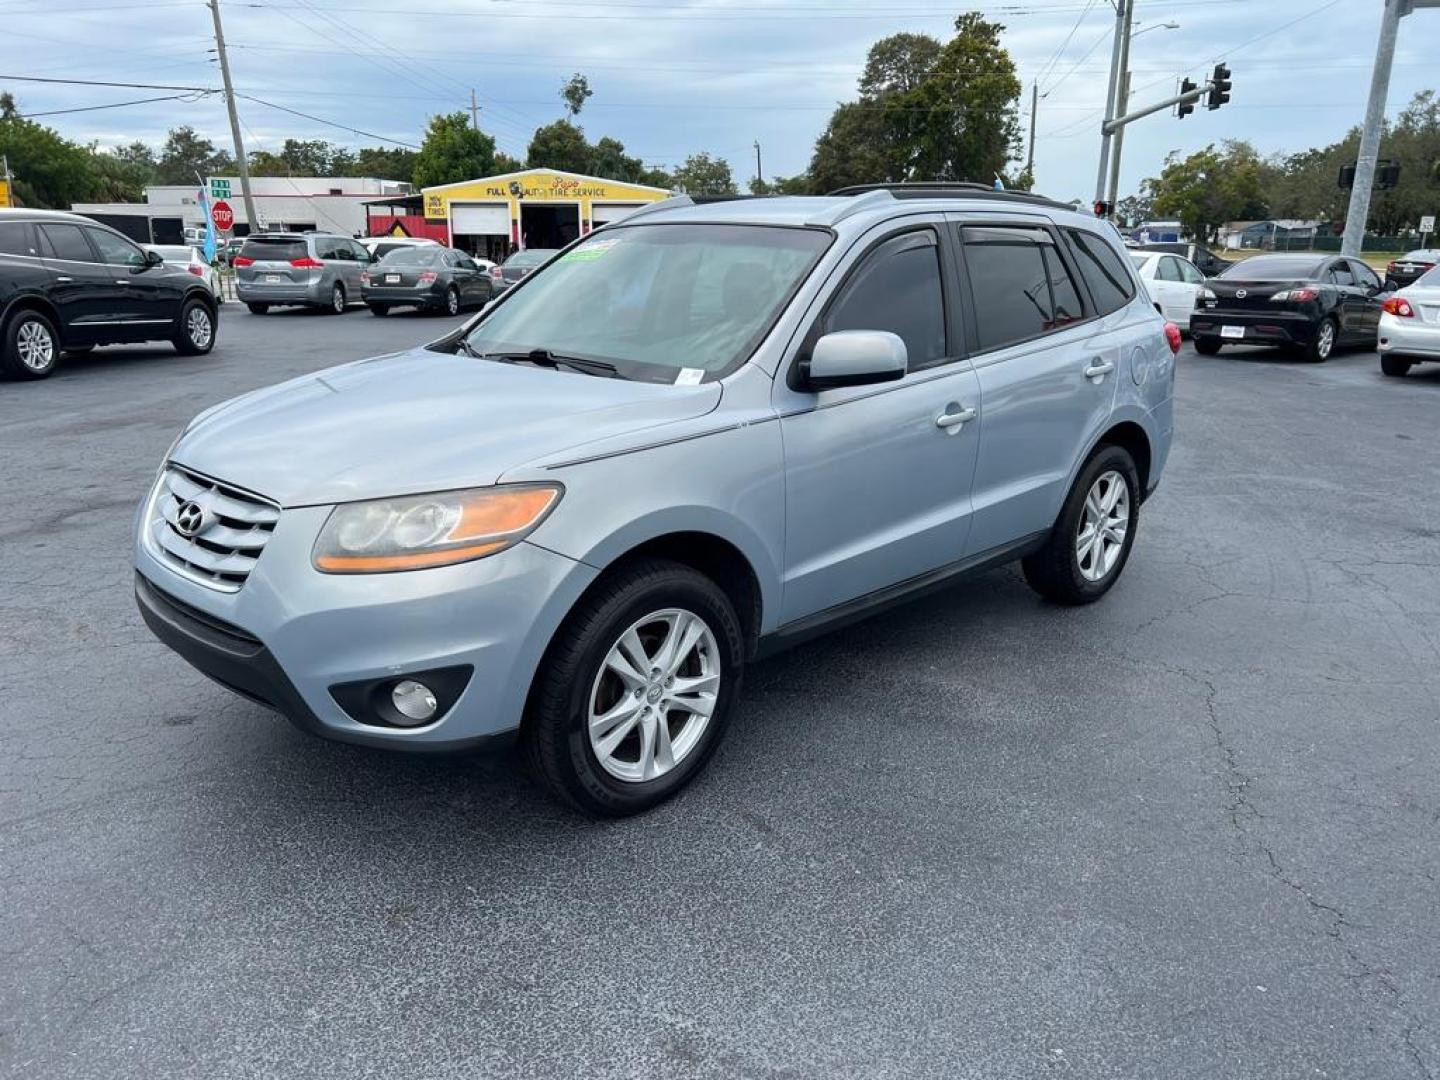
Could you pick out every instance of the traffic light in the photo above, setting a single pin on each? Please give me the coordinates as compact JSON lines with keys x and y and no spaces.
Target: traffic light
{"x":1186,"y":107}
{"x":1102,"y":208}
{"x":1220,"y":91}
{"x":1347,"y":177}
{"x":1387,"y":175}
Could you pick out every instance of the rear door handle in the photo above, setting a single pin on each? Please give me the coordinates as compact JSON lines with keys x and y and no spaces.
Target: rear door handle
{"x":1098,"y":369}
{"x":65,"y":280}
{"x":955,"y":417}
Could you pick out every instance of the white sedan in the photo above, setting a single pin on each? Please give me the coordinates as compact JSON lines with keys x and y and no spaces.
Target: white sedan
{"x":191,"y":259}
{"x":1410,"y":326}
{"x":1172,"y":281}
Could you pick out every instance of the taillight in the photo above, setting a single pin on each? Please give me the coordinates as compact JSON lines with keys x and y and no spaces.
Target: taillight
{"x":196,"y":269}
{"x":1294,"y":296}
{"x":496,"y":274}
{"x":242,"y":260}
{"x":1172,"y":337}
{"x":307,"y":263}
{"x":1398,"y":306}
{"x":427,"y":277}
{"x":364,"y":277}
{"x":1390,"y":266}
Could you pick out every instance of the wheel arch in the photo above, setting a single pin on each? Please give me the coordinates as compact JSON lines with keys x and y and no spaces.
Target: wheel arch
{"x":1135,"y":441}
{"x":32,"y":302}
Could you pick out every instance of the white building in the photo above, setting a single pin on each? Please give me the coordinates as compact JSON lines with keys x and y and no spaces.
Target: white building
{"x":326,"y":203}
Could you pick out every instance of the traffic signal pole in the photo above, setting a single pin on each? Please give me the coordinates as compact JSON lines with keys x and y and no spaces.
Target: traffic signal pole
{"x":1122,"y":16}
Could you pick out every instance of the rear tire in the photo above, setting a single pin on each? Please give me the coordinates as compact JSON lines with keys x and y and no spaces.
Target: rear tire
{"x":258,"y":309}
{"x":30,"y":348}
{"x":1322,"y":345}
{"x":195,"y":330}
{"x":577,"y":685}
{"x":337,"y":300}
{"x":1205,"y":346}
{"x":1395,"y":366}
{"x":1068,"y":570}
{"x":452,"y":301}
{"x":380,"y":309}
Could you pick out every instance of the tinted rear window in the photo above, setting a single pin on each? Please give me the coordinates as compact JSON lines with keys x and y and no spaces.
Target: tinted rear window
{"x":1273,"y":268}
{"x":533,"y":257}
{"x":1107,"y":275}
{"x":274,"y":250}
{"x":1021,"y":288}
{"x":67,"y":242}
{"x":15,"y":238}
{"x":412,"y":256}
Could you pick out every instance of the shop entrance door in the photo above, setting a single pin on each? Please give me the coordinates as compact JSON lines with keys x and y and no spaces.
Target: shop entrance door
{"x":549,"y":225}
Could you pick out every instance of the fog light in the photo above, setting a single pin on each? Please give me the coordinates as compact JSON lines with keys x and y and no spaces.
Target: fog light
{"x":413,"y":700}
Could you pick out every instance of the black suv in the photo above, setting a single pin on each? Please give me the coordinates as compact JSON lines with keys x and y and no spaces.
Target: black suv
{"x":68,"y":284}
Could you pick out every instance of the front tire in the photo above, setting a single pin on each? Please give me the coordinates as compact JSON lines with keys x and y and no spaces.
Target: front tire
{"x":1205,"y":346}
{"x":195,"y":331}
{"x":31,"y":348}
{"x":1396,"y":367}
{"x":635,"y":692}
{"x":1090,"y":543}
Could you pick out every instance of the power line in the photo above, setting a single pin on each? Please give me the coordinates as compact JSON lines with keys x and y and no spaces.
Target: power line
{"x":1055,"y":56}
{"x":116,"y":105}
{"x":99,"y":82}
{"x":328,"y":123}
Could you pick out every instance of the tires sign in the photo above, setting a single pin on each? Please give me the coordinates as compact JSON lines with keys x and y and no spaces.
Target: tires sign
{"x":223,"y":216}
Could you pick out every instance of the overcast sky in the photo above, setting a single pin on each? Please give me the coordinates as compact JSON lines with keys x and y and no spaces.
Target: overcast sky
{"x":672,"y":77}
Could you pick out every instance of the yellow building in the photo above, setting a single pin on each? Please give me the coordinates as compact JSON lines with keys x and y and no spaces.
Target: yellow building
{"x":534,"y":208}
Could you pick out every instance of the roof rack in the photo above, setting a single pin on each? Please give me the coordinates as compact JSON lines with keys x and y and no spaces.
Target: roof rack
{"x":954,"y":189}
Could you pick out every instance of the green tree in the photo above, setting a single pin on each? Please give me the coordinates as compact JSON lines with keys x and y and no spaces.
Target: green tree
{"x":50,"y":172}
{"x":1137,"y":208}
{"x":560,"y":145}
{"x":898,"y":64}
{"x":140,"y":157}
{"x":703,"y":174}
{"x":1210,"y":187}
{"x":857,"y":146}
{"x":117,"y":178}
{"x":781,"y":185}
{"x":574,"y":93}
{"x":453,"y":151}
{"x":186,"y":155}
{"x":385,"y":162}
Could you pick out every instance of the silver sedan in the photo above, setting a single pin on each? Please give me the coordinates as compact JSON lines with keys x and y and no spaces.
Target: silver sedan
{"x":1410,"y":326}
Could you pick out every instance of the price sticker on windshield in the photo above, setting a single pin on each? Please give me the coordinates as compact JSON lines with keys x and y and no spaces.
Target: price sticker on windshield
{"x":590,"y":251}
{"x":690,"y":376}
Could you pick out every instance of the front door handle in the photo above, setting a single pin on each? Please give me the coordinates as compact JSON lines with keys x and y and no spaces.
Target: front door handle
{"x":955,"y":417}
{"x":1098,"y":369}
{"x":64,"y":280}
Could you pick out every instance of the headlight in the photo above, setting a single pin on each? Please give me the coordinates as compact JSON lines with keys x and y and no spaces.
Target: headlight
{"x":421,"y":531}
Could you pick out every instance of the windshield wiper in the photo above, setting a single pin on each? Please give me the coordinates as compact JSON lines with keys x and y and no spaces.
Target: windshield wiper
{"x":546,"y":358}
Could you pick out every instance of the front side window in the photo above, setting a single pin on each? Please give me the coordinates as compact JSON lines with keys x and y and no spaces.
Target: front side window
{"x":655,"y":299}
{"x":897,"y":288}
{"x":115,"y":250}
{"x":1364,"y":276}
{"x":1103,"y":270}
{"x":1019,"y":283}
{"x":67,"y":242}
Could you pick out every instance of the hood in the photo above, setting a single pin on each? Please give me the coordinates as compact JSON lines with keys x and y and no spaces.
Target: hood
{"x":417,"y":421}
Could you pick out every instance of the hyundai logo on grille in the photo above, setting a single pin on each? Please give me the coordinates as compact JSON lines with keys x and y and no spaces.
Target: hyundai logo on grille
{"x":189,"y":519}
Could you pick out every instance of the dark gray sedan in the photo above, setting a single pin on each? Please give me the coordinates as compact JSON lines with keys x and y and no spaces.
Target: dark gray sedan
{"x":520,"y":264}
{"x":433,"y":278}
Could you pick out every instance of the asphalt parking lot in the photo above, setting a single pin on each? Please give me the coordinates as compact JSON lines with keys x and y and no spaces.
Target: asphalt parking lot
{"x":1191,"y":831}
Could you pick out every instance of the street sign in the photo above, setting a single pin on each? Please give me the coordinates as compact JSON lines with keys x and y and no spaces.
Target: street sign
{"x":219,"y":189}
{"x":1427,"y":223}
{"x":4,"y":191}
{"x":223,"y":216}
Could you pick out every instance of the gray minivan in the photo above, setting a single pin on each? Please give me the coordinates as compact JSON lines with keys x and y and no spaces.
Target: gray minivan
{"x":308,"y":269}
{"x":693,"y":437}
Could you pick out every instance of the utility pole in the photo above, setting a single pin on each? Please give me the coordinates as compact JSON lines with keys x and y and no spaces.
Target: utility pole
{"x":1122,"y":103}
{"x":1034,"y":107}
{"x":241,"y":164}
{"x":1359,"y":210}
{"x":759,"y":172}
{"x":1122,"y":16}
{"x":474,"y":110}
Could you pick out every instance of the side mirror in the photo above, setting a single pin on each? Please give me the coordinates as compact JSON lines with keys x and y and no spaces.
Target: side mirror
{"x":153,"y":258}
{"x":854,"y":358}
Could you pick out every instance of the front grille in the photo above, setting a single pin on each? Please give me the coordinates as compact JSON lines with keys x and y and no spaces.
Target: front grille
{"x":234,"y":527}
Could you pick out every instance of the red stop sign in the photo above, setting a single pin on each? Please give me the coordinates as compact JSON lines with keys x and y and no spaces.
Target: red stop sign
{"x":223,"y":216}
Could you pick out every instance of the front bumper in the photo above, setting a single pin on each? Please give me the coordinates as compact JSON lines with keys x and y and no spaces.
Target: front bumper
{"x":1261,"y":327}
{"x":291,"y":634}
{"x":1412,"y":337}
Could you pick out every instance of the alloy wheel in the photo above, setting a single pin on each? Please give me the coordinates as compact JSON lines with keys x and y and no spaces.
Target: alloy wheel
{"x":1103,"y":525}
{"x":337,"y":300}
{"x":35,"y":346}
{"x":452,"y":302}
{"x":654,"y":695}
{"x":198,"y":328}
{"x":1326,"y":339}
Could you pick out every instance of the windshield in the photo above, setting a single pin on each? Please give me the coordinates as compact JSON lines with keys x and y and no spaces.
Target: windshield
{"x":1272,"y":268}
{"x":530,"y":257}
{"x":656,"y":299}
{"x":416,"y":256}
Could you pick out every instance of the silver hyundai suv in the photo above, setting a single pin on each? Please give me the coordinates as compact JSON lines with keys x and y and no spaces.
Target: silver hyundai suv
{"x":310,"y":269}
{"x":692,"y":438}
